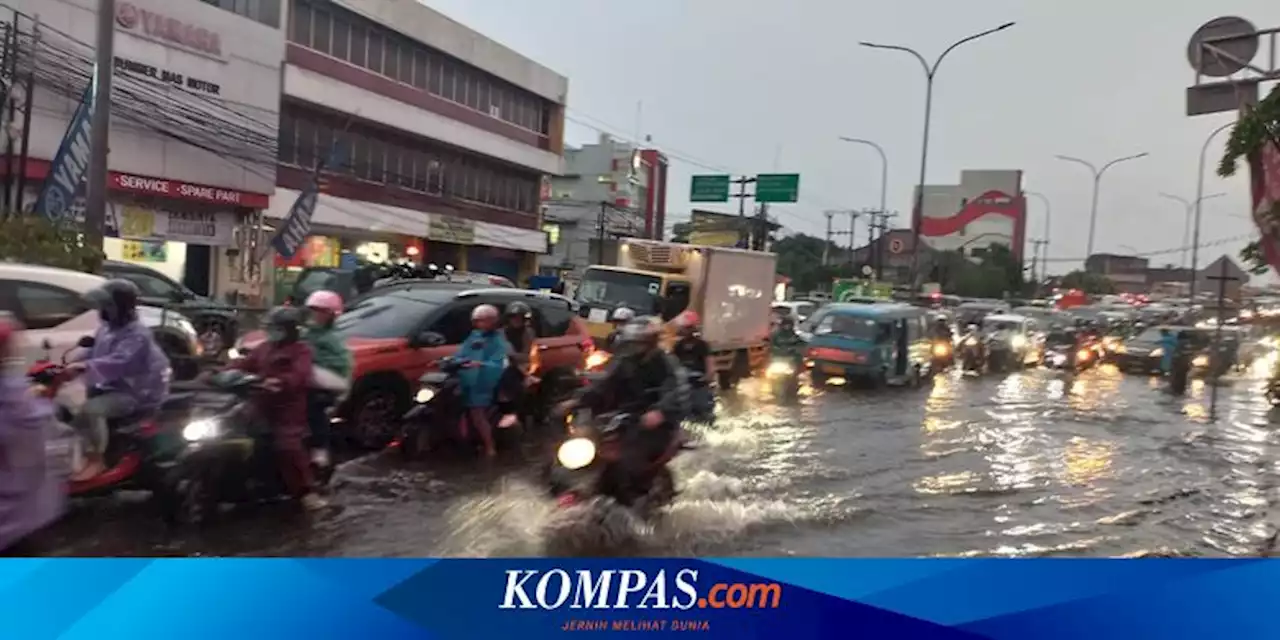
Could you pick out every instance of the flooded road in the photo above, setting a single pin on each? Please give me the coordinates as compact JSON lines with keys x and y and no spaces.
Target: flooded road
{"x":1016,"y":465}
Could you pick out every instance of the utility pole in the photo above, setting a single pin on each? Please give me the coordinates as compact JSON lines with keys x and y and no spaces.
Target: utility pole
{"x":29,"y":90}
{"x":95,"y":213}
{"x":881,"y":226}
{"x":826,"y":246}
{"x":853,"y":239}
{"x":600,"y":234}
{"x":744,"y":230}
{"x":1036,"y":276}
{"x":1215,"y":359}
{"x":761,"y":240}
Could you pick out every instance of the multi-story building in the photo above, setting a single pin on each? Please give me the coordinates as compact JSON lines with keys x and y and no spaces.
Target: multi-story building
{"x":440,"y":138}
{"x":1127,"y":273}
{"x":610,"y":181}
{"x":986,"y":208}
{"x":193,"y":125}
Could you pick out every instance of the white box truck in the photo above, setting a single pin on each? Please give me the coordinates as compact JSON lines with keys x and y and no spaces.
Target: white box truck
{"x":730,"y":289}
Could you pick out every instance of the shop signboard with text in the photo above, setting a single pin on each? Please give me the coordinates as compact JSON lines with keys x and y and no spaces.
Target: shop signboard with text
{"x":451,"y":229}
{"x":184,"y":71}
{"x":212,"y":228}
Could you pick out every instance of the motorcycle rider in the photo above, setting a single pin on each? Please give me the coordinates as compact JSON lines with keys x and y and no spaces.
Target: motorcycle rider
{"x":31,"y":487}
{"x":973,"y":339}
{"x":694,"y":354}
{"x":785,"y":342}
{"x":485,"y":354}
{"x":520,"y":335}
{"x":1180,"y":368}
{"x":126,"y":372}
{"x":642,"y":369}
{"x":942,"y":329}
{"x":328,"y":351}
{"x":1168,"y":347}
{"x":284,"y":362}
{"x":619,"y":318}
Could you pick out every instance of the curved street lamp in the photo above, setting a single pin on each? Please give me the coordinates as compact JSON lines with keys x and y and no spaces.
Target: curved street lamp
{"x":1097,"y":178}
{"x":1195,"y":237}
{"x":930,"y":70}
{"x":1186,"y":224}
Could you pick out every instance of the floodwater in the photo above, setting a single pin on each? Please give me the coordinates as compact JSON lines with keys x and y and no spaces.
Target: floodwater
{"x":1026,"y":464}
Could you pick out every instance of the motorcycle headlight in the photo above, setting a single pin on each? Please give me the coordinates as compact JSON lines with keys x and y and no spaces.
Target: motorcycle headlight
{"x":941,"y":349}
{"x":576,"y":453}
{"x":200,"y":430}
{"x":597,"y":359}
{"x":425,"y":395}
{"x":1200,"y":361}
{"x":1018,"y":342}
{"x":234,"y":354}
{"x":780,"y":368}
{"x":1083,"y":354}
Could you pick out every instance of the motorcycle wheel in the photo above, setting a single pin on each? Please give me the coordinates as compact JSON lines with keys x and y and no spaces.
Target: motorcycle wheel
{"x":193,"y":499}
{"x":414,"y":444}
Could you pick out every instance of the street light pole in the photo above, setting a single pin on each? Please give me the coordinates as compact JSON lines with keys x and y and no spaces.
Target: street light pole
{"x":1186,"y":223}
{"x":1195,"y":234}
{"x":929,"y":71}
{"x":1097,"y":180}
{"x":884,"y":167}
{"x":1048,"y":227}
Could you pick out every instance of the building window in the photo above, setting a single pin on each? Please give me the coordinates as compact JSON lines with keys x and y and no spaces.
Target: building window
{"x":359,"y":44}
{"x":375,"y":51}
{"x":420,"y":69}
{"x":448,"y":91}
{"x":264,"y":11}
{"x":305,"y":147}
{"x":406,"y":62}
{"x":392,"y":67}
{"x":300,"y":24}
{"x":341,"y":39}
{"x":320,"y":32}
{"x":287,"y":148}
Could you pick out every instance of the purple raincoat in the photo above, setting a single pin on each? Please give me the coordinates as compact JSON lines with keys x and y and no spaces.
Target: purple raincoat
{"x":31,"y":486}
{"x":129,"y":361}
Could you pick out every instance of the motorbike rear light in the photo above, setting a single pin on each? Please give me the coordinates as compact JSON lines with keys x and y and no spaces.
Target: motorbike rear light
{"x":148,"y":429}
{"x":566,"y":500}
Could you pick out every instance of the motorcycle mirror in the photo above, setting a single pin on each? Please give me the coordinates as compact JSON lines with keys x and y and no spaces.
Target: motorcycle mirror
{"x":85,"y":342}
{"x":429,"y":339}
{"x":46,"y":345}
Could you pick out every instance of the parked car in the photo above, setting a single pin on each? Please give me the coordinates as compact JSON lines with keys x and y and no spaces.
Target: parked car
{"x":215,"y":322}
{"x":50,"y":303}
{"x":397,"y":335}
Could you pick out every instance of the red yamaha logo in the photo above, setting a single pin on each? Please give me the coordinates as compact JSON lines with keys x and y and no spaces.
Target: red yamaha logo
{"x":127,"y":15}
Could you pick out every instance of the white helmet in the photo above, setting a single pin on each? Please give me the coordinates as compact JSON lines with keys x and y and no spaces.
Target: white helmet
{"x":642,"y":329}
{"x":484,"y":311}
{"x":622,"y":314}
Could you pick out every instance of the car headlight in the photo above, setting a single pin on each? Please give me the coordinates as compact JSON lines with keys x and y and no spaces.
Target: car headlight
{"x":1018,"y":342}
{"x":1200,"y":361}
{"x":1120,"y":348}
{"x":425,"y":395}
{"x":1157,"y":352}
{"x":200,"y":430}
{"x":576,"y":453}
{"x":1083,"y":354}
{"x":780,"y":368}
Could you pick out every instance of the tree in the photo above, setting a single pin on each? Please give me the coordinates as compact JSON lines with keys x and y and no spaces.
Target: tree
{"x":1255,"y":128}
{"x":1090,"y":283}
{"x":33,"y":239}
{"x":800,"y":258}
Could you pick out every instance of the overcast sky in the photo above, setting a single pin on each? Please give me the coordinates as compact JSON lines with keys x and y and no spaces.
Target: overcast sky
{"x":729,"y":84}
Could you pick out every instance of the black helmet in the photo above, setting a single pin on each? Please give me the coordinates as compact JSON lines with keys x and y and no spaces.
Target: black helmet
{"x":787,"y":322}
{"x":518,"y":308}
{"x":284,"y":324}
{"x":116,"y":301}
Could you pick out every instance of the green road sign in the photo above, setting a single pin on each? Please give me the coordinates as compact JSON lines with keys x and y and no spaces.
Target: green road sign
{"x":709,"y":189}
{"x":777,"y":187}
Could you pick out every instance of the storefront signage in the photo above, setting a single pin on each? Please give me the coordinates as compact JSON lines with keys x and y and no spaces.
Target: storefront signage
{"x":166,"y":76}
{"x":187,"y":191}
{"x":145,"y":251}
{"x":167,"y":29}
{"x":450,"y":229}
{"x":133,"y":222}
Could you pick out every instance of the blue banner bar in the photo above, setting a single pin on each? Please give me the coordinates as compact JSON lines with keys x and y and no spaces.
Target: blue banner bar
{"x":70,"y":165}
{"x":297,"y":225}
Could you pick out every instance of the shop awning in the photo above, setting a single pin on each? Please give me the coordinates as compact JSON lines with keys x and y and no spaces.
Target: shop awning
{"x":342,"y":213}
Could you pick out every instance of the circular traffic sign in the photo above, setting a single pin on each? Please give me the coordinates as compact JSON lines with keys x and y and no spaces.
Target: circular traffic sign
{"x":896,"y":245}
{"x":1242,"y":47}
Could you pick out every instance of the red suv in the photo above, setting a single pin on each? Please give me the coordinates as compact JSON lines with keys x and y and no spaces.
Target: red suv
{"x":390,"y":333}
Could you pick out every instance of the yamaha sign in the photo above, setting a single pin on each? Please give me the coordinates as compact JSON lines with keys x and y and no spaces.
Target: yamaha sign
{"x":168,"y":30}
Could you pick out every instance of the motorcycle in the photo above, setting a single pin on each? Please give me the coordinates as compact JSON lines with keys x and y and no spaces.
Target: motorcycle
{"x":783,"y":374}
{"x":139,"y":456}
{"x":973,"y":356}
{"x":704,"y":400}
{"x":437,"y":405}
{"x":1069,"y":357}
{"x":943,"y":354}
{"x":230,"y":456}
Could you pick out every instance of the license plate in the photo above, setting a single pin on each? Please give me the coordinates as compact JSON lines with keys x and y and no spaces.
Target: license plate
{"x":833,"y":370}
{"x":598,"y":315}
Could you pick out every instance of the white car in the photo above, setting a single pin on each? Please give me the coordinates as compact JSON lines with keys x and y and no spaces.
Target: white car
{"x":51,"y":305}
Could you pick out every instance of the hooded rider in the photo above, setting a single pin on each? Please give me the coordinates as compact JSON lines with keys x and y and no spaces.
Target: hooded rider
{"x":126,"y":372}
{"x":693,"y":353}
{"x":284,"y":363}
{"x":521,"y":336}
{"x":485,"y":354}
{"x":31,"y":484}
{"x":328,"y":352}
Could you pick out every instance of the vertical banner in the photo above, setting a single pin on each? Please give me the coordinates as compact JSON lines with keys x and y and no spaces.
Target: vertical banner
{"x":1265,"y":169}
{"x":297,"y":225}
{"x":67,"y":172}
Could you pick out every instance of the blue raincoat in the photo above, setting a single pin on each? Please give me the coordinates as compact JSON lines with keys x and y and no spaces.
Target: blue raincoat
{"x":480,"y":384}
{"x":1168,"y":347}
{"x":128,"y":360}
{"x":31,"y":489}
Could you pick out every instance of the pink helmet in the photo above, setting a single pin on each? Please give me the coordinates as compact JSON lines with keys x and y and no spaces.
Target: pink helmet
{"x":687,"y":320}
{"x":326,"y":300}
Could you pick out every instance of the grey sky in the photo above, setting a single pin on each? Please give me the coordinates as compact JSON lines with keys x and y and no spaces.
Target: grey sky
{"x":725,"y":83}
